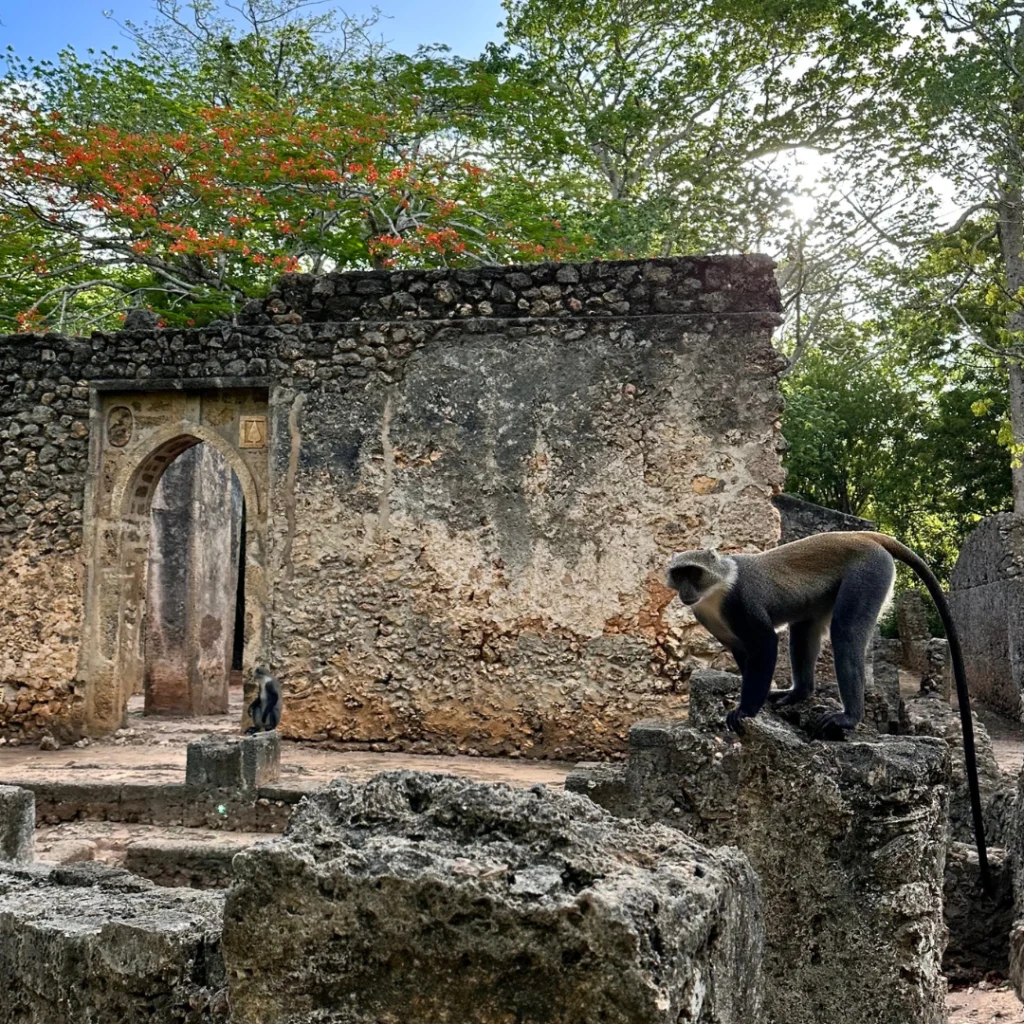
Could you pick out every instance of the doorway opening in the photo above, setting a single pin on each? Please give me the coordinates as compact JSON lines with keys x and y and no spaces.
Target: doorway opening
{"x":195,"y":580}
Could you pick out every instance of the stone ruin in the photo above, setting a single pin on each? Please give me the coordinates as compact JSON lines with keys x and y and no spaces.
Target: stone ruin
{"x":848,"y":840}
{"x":704,"y":879}
{"x":405,"y":484}
{"x":426,"y":898}
{"x":412,"y":899}
{"x":987,"y":598}
{"x":442,"y":506}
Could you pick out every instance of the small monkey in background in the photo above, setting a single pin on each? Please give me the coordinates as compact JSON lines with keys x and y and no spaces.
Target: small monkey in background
{"x":835,"y":581}
{"x":265,"y":710}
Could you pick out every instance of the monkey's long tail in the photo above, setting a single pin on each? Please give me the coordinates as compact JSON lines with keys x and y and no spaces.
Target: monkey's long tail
{"x":905,"y":555}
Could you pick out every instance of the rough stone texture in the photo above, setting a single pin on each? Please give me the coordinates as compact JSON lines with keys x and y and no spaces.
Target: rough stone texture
{"x":986,"y":596}
{"x":912,"y":620}
{"x":928,"y":714}
{"x":423,"y":899}
{"x":804,"y":519}
{"x":937,"y":676}
{"x":84,"y":944}
{"x":234,"y":762}
{"x":262,"y":810}
{"x":848,"y":839}
{"x":1015,"y":857}
{"x":691,"y":286}
{"x":458,"y":512}
{"x":17,"y":824}
{"x":979,"y":924}
{"x":192,"y":581}
{"x":182,"y":862}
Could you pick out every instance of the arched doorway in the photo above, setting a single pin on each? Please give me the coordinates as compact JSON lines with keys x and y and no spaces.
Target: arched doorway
{"x":192,"y":634}
{"x":125,"y":479}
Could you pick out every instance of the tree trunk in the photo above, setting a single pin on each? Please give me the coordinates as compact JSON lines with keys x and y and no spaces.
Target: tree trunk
{"x":1011,"y":238}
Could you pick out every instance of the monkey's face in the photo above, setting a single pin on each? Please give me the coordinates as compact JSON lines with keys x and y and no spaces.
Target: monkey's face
{"x":691,"y":574}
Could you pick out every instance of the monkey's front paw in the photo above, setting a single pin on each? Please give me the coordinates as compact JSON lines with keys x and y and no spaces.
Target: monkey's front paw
{"x":833,"y":725}
{"x":734,"y":720}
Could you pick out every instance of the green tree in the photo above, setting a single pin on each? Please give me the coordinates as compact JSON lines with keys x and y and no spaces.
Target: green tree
{"x":847,"y":422}
{"x":191,"y":174}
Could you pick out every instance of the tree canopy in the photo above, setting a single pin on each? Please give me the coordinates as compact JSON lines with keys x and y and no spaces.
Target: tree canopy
{"x":872,"y":147}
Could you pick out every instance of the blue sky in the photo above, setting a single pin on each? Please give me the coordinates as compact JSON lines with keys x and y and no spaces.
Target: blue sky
{"x":39,"y":28}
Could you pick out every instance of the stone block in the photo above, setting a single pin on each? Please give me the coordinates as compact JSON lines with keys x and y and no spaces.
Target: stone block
{"x":712,"y":696}
{"x":234,"y":762}
{"x":604,"y":782}
{"x":17,"y":824}
{"x":426,"y":898}
{"x":986,"y":596}
{"x":937,"y":676}
{"x":927,"y":714}
{"x":196,"y":864}
{"x":88,"y":943}
{"x":848,"y":839}
{"x":912,"y":620}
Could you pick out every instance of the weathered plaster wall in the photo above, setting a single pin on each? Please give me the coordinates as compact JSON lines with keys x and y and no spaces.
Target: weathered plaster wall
{"x":471,"y":497}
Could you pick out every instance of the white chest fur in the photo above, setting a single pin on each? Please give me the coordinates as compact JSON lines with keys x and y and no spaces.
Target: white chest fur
{"x":708,"y":612}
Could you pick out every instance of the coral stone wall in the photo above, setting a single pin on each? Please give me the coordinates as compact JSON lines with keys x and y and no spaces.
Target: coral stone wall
{"x":474,"y":481}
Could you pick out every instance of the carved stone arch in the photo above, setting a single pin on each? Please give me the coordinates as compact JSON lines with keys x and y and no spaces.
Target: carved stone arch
{"x":133,"y":490}
{"x":113,"y":663}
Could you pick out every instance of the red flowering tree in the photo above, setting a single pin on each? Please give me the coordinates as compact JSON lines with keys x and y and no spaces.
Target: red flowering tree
{"x":215,"y":209}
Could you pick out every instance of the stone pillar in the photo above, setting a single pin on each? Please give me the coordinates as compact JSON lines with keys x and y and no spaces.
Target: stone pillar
{"x":193,"y":576}
{"x":849,"y":840}
{"x":17,"y":824}
{"x":234,"y":762}
{"x":912,"y":618}
{"x":426,"y":898}
{"x":987,"y":599}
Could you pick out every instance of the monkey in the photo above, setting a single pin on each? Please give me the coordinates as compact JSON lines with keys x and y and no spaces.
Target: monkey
{"x":837,"y":581}
{"x":265,"y":710}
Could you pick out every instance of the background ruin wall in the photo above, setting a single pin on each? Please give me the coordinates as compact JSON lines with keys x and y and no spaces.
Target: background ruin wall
{"x":474,"y":479}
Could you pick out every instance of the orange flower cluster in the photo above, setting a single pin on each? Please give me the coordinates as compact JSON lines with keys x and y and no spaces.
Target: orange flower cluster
{"x":244,"y":190}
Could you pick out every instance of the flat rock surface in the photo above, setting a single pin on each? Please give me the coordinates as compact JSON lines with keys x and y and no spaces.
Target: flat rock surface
{"x":419,"y":899}
{"x":110,"y":839}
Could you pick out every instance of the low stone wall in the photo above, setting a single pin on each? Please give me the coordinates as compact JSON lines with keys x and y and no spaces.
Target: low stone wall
{"x":263,"y":810}
{"x":422,"y":898}
{"x":182,"y":862}
{"x":848,"y":839}
{"x":802,"y":518}
{"x":688,"y":286}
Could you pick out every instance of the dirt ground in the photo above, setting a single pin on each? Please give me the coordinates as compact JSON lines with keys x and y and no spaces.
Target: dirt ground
{"x":985,"y":1004}
{"x":153,"y":750}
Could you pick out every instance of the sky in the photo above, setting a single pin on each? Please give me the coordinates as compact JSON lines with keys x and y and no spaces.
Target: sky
{"x":40,"y":28}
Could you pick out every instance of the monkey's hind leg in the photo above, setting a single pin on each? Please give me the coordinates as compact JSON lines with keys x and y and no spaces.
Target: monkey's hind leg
{"x":860,"y":600}
{"x":256,"y":716}
{"x":804,"y":648}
